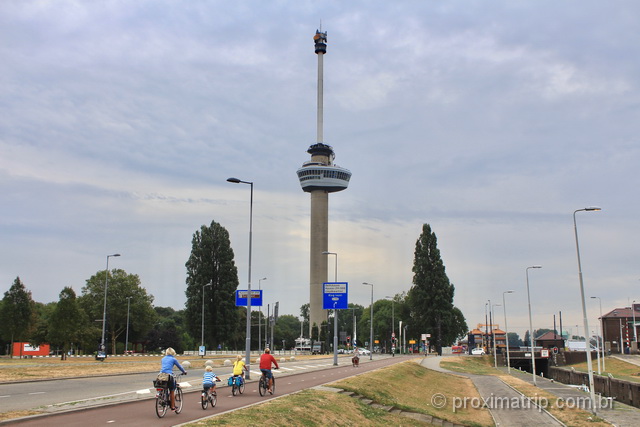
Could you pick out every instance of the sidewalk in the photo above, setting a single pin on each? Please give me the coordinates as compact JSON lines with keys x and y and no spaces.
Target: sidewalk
{"x":488,"y":386}
{"x":620,"y":415}
{"x":495,"y":393}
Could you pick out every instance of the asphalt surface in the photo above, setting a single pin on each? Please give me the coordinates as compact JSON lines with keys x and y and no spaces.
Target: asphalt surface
{"x":492,"y":389}
{"x":496,"y":394}
{"x":142,"y":412}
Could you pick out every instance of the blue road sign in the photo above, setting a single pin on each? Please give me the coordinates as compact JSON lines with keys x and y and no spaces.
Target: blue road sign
{"x":335,"y":295}
{"x":256,"y":298}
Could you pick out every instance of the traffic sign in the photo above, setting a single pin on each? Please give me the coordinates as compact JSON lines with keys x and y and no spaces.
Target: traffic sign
{"x":256,"y":298}
{"x":335,"y":296}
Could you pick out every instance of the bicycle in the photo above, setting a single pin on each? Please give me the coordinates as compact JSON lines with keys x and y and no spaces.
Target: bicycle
{"x":263,"y":384}
{"x":237,"y":385}
{"x":209,"y":397}
{"x":163,"y":397}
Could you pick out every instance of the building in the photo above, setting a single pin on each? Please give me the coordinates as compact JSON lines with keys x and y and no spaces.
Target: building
{"x":618,"y":329}
{"x":550,"y":340}
{"x":319,"y":177}
{"x":483,"y":336}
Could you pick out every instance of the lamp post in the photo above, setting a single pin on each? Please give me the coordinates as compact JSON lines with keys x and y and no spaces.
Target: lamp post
{"x":489,"y":340}
{"x":248,"y":332}
{"x":506,"y":328}
{"x":485,"y":337}
{"x":598,"y":348}
{"x":259,"y":316}
{"x":633,"y":313}
{"x":335,"y":314}
{"x":404,"y":339}
{"x":584,"y":309}
{"x":393,"y":324}
{"x":126,"y":340}
{"x":104,"y":310}
{"x":202,"y":328}
{"x":370,"y":323}
{"x":602,"y":324}
{"x":495,"y":350}
{"x":532,"y":340}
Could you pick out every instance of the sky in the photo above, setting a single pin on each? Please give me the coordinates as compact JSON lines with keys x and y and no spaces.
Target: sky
{"x":492,"y":121}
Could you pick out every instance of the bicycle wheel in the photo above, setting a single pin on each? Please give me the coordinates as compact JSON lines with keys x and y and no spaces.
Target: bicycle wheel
{"x":241,"y":387}
{"x":262,"y":386}
{"x":178,"y":400}
{"x":234,"y":388}
{"x":214,"y":399}
{"x":204,"y":400}
{"x":273,"y":385}
{"x":162,"y":404}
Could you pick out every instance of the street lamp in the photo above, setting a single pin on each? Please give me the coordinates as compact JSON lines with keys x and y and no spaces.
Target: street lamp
{"x":506,"y":328}
{"x":633,"y":313}
{"x":260,"y":321}
{"x":104,"y":311}
{"x":532,"y":340}
{"x":393,"y":324}
{"x":495,"y":350}
{"x":489,"y":340}
{"x":602,"y":337}
{"x":202,"y":329}
{"x":335,"y":314}
{"x":584,"y":309}
{"x":126,"y":340}
{"x":370,"y":323}
{"x":248,"y":333}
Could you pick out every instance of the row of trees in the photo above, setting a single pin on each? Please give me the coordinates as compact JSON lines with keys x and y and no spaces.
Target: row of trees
{"x":75,"y":322}
{"x":212,"y":279}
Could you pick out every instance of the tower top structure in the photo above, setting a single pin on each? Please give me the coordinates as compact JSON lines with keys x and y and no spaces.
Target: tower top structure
{"x":321,"y":173}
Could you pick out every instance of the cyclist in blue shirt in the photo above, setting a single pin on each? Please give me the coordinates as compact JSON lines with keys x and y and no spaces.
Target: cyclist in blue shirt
{"x":209,"y":380}
{"x":168,"y":362}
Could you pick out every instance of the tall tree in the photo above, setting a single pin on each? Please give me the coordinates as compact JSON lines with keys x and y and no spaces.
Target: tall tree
{"x":121,"y":285}
{"x":304,"y":313}
{"x":431,"y":296}
{"x":68,"y":322}
{"x":212,"y":261}
{"x":16,"y":313}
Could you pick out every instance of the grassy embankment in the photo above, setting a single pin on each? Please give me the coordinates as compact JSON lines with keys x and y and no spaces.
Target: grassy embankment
{"x":484,"y":366}
{"x":617,"y":368}
{"x":407,"y":386}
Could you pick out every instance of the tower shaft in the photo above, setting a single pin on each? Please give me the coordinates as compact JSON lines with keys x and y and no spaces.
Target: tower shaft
{"x":319,"y":177}
{"x":318,"y":262}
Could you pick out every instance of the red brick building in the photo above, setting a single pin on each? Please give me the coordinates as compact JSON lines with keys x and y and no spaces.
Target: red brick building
{"x":617,"y":329}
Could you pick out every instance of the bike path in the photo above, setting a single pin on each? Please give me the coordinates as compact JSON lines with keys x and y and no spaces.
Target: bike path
{"x":142,"y":412}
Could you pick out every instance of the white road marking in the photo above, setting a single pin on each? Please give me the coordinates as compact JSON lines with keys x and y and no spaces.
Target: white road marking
{"x":37,"y":392}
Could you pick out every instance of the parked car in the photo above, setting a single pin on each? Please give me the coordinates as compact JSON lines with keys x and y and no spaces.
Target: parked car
{"x":478,"y":351}
{"x":364,"y":351}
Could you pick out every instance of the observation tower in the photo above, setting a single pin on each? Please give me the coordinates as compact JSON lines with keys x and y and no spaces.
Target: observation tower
{"x":319,"y":177}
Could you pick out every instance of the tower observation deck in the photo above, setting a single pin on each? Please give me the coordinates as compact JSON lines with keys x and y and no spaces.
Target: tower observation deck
{"x":320,"y":173}
{"x":319,"y":177}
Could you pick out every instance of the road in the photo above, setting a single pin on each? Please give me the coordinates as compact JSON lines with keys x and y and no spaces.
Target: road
{"x":142,"y":412}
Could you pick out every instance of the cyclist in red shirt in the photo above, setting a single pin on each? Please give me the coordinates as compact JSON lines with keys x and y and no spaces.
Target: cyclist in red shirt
{"x":265,"y":366}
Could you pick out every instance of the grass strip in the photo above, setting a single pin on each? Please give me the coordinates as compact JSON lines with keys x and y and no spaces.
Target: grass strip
{"x":411,"y":387}
{"x":310,"y":408}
